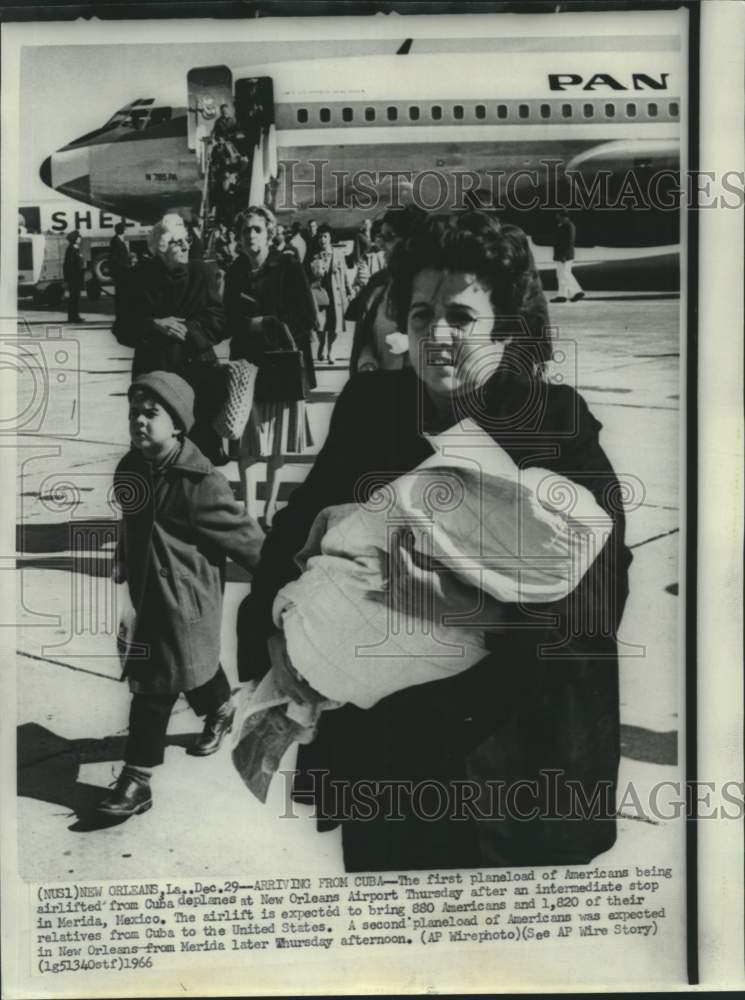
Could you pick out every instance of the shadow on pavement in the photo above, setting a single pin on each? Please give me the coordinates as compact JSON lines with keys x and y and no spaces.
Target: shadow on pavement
{"x":54,"y":536}
{"x":48,"y":767}
{"x":649,"y":746}
{"x":87,"y":565}
{"x":649,"y":297}
{"x":38,"y":544}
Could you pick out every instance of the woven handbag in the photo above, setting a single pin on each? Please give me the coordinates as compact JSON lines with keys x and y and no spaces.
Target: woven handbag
{"x":240,"y":384}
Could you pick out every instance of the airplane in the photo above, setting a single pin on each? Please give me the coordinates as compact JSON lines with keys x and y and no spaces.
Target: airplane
{"x":347,"y":137}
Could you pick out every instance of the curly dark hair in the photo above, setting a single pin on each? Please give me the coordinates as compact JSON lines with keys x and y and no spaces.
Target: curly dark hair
{"x":404,"y":221}
{"x":500,"y":256}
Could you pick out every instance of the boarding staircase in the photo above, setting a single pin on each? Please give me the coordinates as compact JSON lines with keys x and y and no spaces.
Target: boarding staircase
{"x":254,"y":140}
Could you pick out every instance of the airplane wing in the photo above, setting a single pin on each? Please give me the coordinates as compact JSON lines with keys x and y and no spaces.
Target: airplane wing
{"x":615,"y":159}
{"x":602,"y":181}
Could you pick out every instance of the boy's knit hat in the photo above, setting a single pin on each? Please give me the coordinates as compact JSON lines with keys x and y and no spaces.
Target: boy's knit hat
{"x":176,"y":395}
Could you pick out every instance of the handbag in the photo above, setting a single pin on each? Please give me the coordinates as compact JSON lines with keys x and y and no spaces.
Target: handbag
{"x":239,"y":386}
{"x":281,"y":377}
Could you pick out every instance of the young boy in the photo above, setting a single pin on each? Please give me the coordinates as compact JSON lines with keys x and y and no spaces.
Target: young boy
{"x":179,"y":522}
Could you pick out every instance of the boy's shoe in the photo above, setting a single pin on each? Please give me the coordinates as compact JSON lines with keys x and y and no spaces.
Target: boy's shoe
{"x":577,"y":297}
{"x":130,"y":797}
{"x":217,"y":725}
{"x":559,"y":298}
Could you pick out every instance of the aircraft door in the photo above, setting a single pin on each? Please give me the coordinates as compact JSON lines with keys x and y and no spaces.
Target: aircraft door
{"x":208,"y":88}
{"x":257,"y":138}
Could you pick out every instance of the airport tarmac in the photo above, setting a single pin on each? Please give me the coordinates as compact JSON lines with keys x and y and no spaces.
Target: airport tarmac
{"x":621,"y":351}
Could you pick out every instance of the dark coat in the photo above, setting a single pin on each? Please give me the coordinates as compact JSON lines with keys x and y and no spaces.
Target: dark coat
{"x":544,"y":700}
{"x":223,"y":127}
{"x":172,"y":548}
{"x":280,"y":288}
{"x":119,"y":262}
{"x":150,"y":291}
{"x":73,"y":268}
{"x":564,"y":240}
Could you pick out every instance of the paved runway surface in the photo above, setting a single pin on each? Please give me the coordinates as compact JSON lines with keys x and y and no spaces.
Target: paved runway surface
{"x":620,"y":350}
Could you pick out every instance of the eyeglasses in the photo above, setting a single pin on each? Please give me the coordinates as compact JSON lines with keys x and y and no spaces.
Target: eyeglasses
{"x":254,"y":229}
{"x":179,"y":244}
{"x":387,"y":236}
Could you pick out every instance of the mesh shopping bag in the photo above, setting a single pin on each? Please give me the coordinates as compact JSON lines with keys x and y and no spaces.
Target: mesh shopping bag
{"x":240,"y":379}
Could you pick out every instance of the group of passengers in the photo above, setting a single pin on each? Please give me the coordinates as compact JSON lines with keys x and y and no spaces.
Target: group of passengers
{"x":451,"y":351}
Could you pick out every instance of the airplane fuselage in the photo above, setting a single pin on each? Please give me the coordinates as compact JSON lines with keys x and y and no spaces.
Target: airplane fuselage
{"x":356,"y":136}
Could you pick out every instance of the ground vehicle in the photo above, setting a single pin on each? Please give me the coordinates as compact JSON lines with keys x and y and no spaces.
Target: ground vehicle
{"x":40,"y":260}
{"x":40,"y":266}
{"x":42,"y":241}
{"x":96,"y":256}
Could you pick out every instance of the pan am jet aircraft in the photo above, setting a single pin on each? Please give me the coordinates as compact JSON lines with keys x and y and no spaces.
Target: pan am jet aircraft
{"x":349,"y":136}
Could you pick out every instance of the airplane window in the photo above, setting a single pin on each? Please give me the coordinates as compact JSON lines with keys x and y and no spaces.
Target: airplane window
{"x":566,"y":110}
{"x":480,"y":111}
{"x":501,"y":111}
{"x":325,"y":114}
{"x":436,"y":112}
{"x":369,"y":114}
{"x":523,"y":110}
{"x":458,"y":111}
{"x":674,"y":109}
{"x":138,"y":119}
{"x":134,"y":115}
{"x":588,"y":110}
{"x":414,"y":113}
{"x":631,"y":110}
{"x":392,"y":113}
{"x":545,"y":111}
{"x":160,"y":115}
{"x":610,"y":111}
{"x":302,"y":115}
{"x":347,"y":114}
{"x":652,"y":109}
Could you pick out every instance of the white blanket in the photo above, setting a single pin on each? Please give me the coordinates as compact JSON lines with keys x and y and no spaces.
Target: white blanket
{"x":493,"y":532}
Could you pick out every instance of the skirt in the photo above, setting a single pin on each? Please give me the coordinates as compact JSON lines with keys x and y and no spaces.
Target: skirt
{"x":276,"y":428}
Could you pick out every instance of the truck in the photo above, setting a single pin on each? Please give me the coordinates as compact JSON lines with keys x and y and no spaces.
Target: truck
{"x":40,"y":260}
{"x":42,"y":242}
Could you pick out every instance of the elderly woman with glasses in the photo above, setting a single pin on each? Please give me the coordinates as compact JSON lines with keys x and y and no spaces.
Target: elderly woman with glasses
{"x":266,"y":290}
{"x":514,"y":760}
{"x":168,"y":310}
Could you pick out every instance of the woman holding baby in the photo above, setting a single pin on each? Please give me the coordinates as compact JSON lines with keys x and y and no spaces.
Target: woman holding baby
{"x":514,"y":760}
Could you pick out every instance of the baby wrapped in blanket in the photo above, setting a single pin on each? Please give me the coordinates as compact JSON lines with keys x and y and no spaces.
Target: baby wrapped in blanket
{"x":510,"y":534}
{"x":488,"y":530}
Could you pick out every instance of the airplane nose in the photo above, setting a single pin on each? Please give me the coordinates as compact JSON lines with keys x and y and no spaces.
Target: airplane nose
{"x":45,"y":171}
{"x":68,"y":171}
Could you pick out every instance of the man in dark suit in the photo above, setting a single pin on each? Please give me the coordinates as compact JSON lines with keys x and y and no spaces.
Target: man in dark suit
{"x":73,"y":271}
{"x":119,"y":262}
{"x":564,"y":233}
{"x":224,"y":126}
